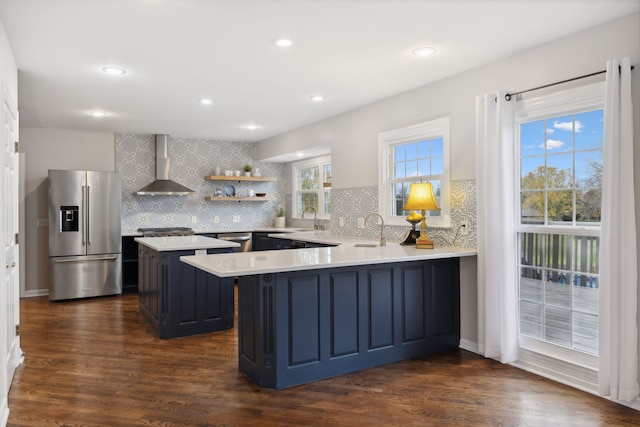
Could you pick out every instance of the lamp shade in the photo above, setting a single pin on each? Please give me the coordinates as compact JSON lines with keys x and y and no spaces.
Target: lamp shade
{"x":421,"y":197}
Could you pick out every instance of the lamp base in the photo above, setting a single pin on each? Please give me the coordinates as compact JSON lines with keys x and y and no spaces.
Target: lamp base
{"x":424,"y":244}
{"x":411,"y":237}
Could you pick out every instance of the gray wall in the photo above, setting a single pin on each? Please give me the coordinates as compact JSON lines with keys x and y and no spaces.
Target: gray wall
{"x":133,"y":156}
{"x":45,"y":149}
{"x":353,"y":136}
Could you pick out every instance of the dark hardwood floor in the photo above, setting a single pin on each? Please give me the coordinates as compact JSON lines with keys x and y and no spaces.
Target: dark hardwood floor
{"x":96,"y":362}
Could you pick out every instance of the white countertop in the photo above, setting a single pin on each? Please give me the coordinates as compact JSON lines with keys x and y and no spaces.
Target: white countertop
{"x":134,"y":233}
{"x":251,"y":263}
{"x":324,"y":237}
{"x":182,"y":243}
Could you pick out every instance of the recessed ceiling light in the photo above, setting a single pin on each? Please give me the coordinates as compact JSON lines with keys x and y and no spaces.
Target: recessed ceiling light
{"x":206,"y":101}
{"x":251,"y":126}
{"x":423,"y":51}
{"x":116,"y":71}
{"x":284,"y":42}
{"x":316,"y":98}
{"x":98,"y":113}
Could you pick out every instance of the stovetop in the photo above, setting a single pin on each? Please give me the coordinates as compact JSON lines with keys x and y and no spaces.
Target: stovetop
{"x":166,"y":231}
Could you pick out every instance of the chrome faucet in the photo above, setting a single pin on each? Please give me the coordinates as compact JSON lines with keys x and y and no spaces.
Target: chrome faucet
{"x":383,"y":241}
{"x":315,"y":216}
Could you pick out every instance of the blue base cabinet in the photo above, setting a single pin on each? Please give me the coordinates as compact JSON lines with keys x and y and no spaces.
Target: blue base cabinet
{"x":297,"y":327}
{"x":177,"y":299}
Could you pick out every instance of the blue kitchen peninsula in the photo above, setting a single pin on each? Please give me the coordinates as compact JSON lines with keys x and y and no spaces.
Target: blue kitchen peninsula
{"x":177,"y":299}
{"x":314,"y":313}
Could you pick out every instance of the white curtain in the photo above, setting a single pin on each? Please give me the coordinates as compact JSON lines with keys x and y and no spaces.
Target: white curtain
{"x":618,"y":353}
{"x":497,"y":310}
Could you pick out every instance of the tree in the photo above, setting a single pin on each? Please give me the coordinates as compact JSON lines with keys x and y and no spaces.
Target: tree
{"x":309,"y":181}
{"x":558,"y":186}
{"x":589,"y":201}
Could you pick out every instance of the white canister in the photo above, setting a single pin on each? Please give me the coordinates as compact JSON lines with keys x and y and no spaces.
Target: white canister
{"x":250,"y":193}
{"x":237,"y":173}
{"x":216,"y":171}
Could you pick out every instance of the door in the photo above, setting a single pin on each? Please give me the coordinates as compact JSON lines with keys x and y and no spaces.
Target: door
{"x":10,"y":347}
{"x":66,"y":213}
{"x":103,"y":213}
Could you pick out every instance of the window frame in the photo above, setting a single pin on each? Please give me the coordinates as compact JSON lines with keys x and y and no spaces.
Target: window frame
{"x":436,"y":128}
{"x":571,"y":101}
{"x":320,"y":163}
{"x":567,"y":102}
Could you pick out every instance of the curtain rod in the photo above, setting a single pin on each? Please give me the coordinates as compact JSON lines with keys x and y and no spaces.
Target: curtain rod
{"x":509,"y":95}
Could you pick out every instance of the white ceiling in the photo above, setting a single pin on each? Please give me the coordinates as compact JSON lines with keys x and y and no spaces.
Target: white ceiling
{"x":176,"y":52}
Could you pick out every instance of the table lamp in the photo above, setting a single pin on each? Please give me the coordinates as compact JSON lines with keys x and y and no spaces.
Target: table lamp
{"x":421,"y":198}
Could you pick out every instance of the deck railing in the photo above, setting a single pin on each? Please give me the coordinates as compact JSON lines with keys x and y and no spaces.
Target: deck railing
{"x":550,"y":309}
{"x":561,"y":258}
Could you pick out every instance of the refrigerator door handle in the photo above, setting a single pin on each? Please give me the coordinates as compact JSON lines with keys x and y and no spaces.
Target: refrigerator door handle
{"x":84,"y":214}
{"x":87,"y":259}
{"x":88,"y":215}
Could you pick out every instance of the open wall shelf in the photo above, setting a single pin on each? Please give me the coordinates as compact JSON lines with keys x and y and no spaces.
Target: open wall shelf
{"x":239,"y":178}
{"x":237,"y":199}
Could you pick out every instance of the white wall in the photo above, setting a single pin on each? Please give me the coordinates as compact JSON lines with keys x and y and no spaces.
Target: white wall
{"x":45,"y":149}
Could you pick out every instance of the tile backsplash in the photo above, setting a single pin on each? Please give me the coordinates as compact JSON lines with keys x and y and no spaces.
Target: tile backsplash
{"x":191,"y":160}
{"x":353,"y":203}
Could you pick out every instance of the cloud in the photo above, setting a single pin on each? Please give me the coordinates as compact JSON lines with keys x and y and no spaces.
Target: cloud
{"x":550,"y":130}
{"x":569,"y":125}
{"x":552,"y":144}
{"x":529,"y":147}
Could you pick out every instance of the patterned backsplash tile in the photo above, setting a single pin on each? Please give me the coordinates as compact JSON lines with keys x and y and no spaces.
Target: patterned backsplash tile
{"x":354,"y":203}
{"x":190,"y":161}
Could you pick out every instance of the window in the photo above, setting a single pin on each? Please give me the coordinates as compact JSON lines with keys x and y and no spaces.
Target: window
{"x":312,"y":186}
{"x":560,"y":188}
{"x":418,"y":153}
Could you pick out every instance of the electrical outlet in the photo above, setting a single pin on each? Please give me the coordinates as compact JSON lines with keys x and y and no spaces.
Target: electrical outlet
{"x":341,"y":221}
{"x":43,"y":222}
{"x":464,"y":228}
{"x":236,"y":218}
{"x":216,"y":219}
{"x":194,"y":219}
{"x":360,"y":222}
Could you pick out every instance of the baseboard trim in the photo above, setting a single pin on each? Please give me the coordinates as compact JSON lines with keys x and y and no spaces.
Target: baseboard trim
{"x":469,"y":346}
{"x":5,"y":413}
{"x":579,"y":377}
{"x":572,"y":382}
{"x":36,"y":293}
{"x":575,"y":376}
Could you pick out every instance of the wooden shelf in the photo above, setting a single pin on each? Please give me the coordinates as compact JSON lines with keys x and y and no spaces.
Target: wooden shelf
{"x":238,"y":178}
{"x":237,"y":199}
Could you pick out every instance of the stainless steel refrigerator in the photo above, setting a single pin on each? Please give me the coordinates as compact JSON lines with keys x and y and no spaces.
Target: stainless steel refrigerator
{"x":85,"y":245}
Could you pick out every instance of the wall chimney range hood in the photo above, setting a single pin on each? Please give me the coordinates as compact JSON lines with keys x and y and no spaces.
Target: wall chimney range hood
{"x":163,"y":186}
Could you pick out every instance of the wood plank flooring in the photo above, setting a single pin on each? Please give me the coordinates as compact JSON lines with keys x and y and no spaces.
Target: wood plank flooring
{"x":97,"y":363}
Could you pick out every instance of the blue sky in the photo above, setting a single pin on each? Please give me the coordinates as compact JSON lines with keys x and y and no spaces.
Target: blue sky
{"x":552,"y":141}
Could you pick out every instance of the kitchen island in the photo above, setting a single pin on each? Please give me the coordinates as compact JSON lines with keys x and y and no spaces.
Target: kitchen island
{"x":314,"y":313}
{"x":177,"y":299}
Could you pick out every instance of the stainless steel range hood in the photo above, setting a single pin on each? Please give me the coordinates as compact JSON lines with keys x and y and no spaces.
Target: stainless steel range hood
{"x":163,"y":186}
